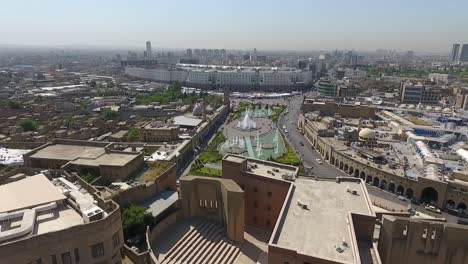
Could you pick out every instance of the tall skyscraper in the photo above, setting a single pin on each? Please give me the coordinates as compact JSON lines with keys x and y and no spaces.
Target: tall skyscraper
{"x":464,"y":53}
{"x":149,"y":54}
{"x":455,"y":50}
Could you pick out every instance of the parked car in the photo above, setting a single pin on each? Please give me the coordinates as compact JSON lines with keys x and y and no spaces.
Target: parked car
{"x":302,"y":143}
{"x":402,"y":198}
{"x":319,"y":161}
{"x":432,"y":209}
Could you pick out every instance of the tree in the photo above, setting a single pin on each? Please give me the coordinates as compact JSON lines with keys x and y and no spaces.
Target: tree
{"x":133,"y":134}
{"x":13,"y":104}
{"x":109,"y":115}
{"x":28,"y":125}
{"x":92,"y":84}
{"x":135,"y":220}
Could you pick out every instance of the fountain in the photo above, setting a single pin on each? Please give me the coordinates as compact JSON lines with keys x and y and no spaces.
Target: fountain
{"x":247,"y":123}
{"x":276,"y":138}
{"x":277,"y":148}
{"x":259,"y":150}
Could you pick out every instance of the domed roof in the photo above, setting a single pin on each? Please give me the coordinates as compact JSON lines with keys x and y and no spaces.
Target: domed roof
{"x":411,"y":106}
{"x":197,"y":110}
{"x":447,"y":110}
{"x":367,"y":133}
{"x":402,"y":106}
{"x":437,"y":108}
{"x":428,"y":107}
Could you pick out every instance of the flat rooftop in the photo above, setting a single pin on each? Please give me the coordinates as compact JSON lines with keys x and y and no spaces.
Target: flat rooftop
{"x":84,"y":155}
{"x":267,"y":170}
{"x":320,"y":229}
{"x":36,"y":205}
{"x":29,"y":192}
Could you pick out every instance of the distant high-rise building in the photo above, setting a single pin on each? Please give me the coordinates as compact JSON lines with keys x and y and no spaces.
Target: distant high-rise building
{"x":189,"y":53}
{"x":455,"y":52}
{"x":464,"y":53}
{"x":149,"y":54}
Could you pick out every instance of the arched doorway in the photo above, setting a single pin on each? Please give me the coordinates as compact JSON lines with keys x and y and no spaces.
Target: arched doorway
{"x":383,"y":185}
{"x":346,"y":168}
{"x":429,"y":195}
{"x":326,"y":156}
{"x":332,"y":160}
{"x":450,"y":204}
{"x":369,"y":179}
{"x":391,"y":187}
{"x":341,"y":165}
{"x":400,"y":190}
{"x":337,"y":162}
{"x":376,"y":182}
{"x":351,"y":170}
{"x":356,"y":173}
{"x":461,"y":207}
{"x":409,"y":193}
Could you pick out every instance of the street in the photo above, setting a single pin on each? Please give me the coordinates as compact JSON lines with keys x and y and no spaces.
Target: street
{"x":306,"y":152}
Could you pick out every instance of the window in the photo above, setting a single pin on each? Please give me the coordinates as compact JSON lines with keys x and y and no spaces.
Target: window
{"x":255,"y":205}
{"x":116,"y":240}
{"x":39,"y":261}
{"x":255,"y":219}
{"x":255,"y":189}
{"x":97,"y":250}
{"x":268,"y":222}
{"x":54,"y":259}
{"x":66,"y":258}
{"x":269,"y":194}
{"x":77,"y":255}
{"x":268,"y":208}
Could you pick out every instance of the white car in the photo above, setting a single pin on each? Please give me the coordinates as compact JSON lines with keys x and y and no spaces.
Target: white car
{"x":291,"y":122}
{"x":319,"y":161}
{"x":402,"y":198}
{"x":286,"y":131}
{"x":432,"y":209}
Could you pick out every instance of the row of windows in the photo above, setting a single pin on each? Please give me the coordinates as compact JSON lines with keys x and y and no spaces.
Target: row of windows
{"x":97,"y":250}
{"x":255,"y":189}
{"x":268,"y":222}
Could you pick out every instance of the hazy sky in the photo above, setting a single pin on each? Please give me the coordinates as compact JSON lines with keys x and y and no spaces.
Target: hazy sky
{"x":420,"y":25}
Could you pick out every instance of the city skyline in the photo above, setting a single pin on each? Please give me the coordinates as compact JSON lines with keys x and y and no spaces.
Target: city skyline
{"x":297,"y":25}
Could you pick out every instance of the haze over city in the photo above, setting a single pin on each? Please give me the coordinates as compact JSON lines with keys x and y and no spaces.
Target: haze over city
{"x":234,"y":132}
{"x":426,"y":26}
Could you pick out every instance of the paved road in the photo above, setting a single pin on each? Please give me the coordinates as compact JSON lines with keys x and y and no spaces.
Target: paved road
{"x":307,"y":153}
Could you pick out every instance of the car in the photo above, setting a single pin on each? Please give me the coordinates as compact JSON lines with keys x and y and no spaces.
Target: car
{"x":319,"y":161}
{"x":302,"y":143}
{"x":286,"y":131}
{"x":402,"y":198}
{"x":284,"y":127}
{"x":291,"y":122}
{"x":432,"y":209}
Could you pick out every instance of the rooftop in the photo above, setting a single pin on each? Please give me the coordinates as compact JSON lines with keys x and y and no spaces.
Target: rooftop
{"x":187,"y":121}
{"x":84,"y":155}
{"x":49,"y":206}
{"x":321,"y":228}
{"x":39,"y":191}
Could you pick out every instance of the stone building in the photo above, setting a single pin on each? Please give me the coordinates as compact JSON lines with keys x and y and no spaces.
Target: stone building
{"x":52,"y":220}
{"x":406,"y":241}
{"x":96,"y":158}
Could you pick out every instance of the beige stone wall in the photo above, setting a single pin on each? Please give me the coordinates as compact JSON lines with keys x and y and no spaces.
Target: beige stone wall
{"x":264,"y":197}
{"x":407,"y":241}
{"x":81,"y":237}
{"x":138,"y":194}
{"x":218,"y":200}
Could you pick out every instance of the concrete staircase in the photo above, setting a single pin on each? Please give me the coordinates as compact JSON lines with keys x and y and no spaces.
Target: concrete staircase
{"x":206,"y":243}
